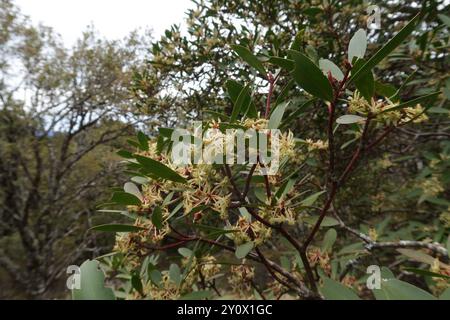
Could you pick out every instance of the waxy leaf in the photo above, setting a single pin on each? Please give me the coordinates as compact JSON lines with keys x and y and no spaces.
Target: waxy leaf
{"x":386,"y":49}
{"x":251,"y":59}
{"x":234,"y":89}
{"x":277,"y":115}
{"x":333,"y":290}
{"x":244,"y":249}
{"x":413,"y":102}
{"x":308,"y":75}
{"x":350,"y":118}
{"x":328,"y":66}
{"x":125,"y":198}
{"x":160,"y":170}
{"x":157,"y":218}
{"x":92,"y":283}
{"x":131,"y":188}
{"x":358,"y":45}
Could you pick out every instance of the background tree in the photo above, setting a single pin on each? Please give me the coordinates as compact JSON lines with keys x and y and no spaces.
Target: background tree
{"x":63,"y":114}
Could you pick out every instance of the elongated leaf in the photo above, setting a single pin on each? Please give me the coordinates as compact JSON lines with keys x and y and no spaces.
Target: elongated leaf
{"x":242,"y":103}
{"x":286,"y":64}
{"x":143,"y":140}
{"x":365,"y":83}
{"x":445,"y":295}
{"x":413,"y":102}
{"x":284,"y":189}
{"x":175,"y":273}
{"x":311,"y":199}
{"x":160,"y":170}
{"x":234,"y":88}
{"x":157,"y":217}
{"x":136,"y":283}
{"x":125,"y":198}
{"x":244,"y":249}
{"x":277,"y":115}
{"x":92,"y":283}
{"x":394,"y":289}
{"x":329,"y":66}
{"x":326,"y":222}
{"x":328,"y":240}
{"x":445,"y":19}
{"x":386,"y":49}
{"x":333,"y":290}
{"x":125,"y":154}
{"x":131,"y":188}
{"x":427,"y":273}
{"x":295,"y":114}
{"x":248,"y":57}
{"x":349,"y":119}
{"x":358,"y":45}
{"x":116,"y":228}
{"x":185,"y":252}
{"x":310,"y":77}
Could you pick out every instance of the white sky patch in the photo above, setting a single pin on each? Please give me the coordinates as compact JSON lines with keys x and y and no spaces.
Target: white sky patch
{"x":113,"y":19}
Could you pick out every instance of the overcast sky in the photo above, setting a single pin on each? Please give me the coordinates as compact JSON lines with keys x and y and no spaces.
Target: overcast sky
{"x":114,"y":19}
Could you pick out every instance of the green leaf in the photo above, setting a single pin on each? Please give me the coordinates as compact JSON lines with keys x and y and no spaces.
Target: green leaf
{"x":386,"y":49}
{"x":244,"y":249}
{"x":295,"y":114}
{"x":445,"y":295}
{"x":333,"y":290}
{"x":328,"y":240}
{"x":386,"y":90}
{"x":326,"y":222}
{"x":160,"y":170}
{"x":284,"y":189}
{"x":277,"y":115}
{"x":242,"y":103}
{"x":116,"y":228}
{"x":310,"y":77}
{"x":412,"y":102}
{"x":286,"y":64}
{"x":156,"y":277}
{"x":234,"y":88}
{"x":157,"y":217}
{"x":131,"y":188}
{"x":365,"y":83}
{"x":309,"y":201}
{"x":394,"y":289}
{"x":197,"y":295}
{"x":175,"y":274}
{"x":427,"y":273}
{"x":92,"y":283}
{"x":136,"y":283}
{"x":185,"y":252}
{"x":329,"y":66}
{"x":445,"y":19}
{"x":358,"y":45}
{"x":448,"y":244}
{"x":125,"y":198}
{"x":248,"y":57}
{"x":349,"y":119}
{"x":143,"y":140}
{"x":125,"y":154}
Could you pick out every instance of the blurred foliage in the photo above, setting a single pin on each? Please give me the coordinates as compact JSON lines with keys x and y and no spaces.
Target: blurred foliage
{"x":63,"y":114}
